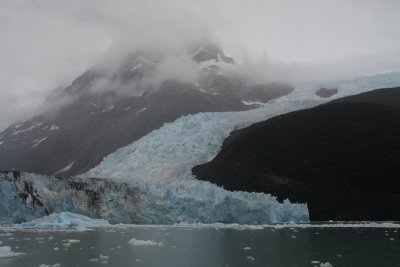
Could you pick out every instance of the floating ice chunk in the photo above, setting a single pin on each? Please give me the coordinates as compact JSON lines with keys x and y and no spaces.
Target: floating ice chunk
{"x":6,"y":252}
{"x":6,"y":234}
{"x":247,"y":248}
{"x":138,"y":242}
{"x":71,"y":241}
{"x":54,"y":265}
{"x":315,"y":262}
{"x":326,"y":264}
{"x":250,"y":258}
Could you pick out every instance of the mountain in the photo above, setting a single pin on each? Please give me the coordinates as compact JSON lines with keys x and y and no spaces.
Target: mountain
{"x":151,"y":177}
{"x":341,"y":158}
{"x":105,"y":110}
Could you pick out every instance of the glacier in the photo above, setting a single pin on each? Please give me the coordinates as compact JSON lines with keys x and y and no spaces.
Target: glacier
{"x":167,"y":155}
{"x":150,"y":180}
{"x":161,"y":162}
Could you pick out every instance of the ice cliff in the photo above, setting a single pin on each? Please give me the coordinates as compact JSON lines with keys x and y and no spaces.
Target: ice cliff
{"x":25,"y":197}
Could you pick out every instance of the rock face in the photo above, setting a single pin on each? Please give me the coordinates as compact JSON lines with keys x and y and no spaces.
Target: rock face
{"x":326,"y":93}
{"x":342,"y":158}
{"x":107,"y":111}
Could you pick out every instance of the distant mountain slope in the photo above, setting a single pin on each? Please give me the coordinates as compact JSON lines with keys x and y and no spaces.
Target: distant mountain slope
{"x":93,"y":124}
{"x":342,"y":158}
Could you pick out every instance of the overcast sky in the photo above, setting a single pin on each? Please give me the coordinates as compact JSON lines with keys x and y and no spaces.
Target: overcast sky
{"x":45,"y":44}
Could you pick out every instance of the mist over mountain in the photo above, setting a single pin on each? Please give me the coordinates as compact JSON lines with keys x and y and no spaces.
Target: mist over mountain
{"x":109,"y":107}
{"x":50,"y":44}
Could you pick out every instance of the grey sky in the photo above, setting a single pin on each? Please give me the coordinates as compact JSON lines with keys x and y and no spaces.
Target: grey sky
{"x":45,"y":44}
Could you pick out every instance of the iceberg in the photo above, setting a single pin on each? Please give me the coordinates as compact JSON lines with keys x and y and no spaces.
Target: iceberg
{"x":138,"y":242}
{"x":6,"y":252}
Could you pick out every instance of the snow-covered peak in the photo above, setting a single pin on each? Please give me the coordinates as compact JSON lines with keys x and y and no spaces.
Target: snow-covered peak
{"x":210,"y":51}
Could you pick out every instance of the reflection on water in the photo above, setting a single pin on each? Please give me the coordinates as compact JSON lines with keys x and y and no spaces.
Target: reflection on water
{"x":185,"y":246}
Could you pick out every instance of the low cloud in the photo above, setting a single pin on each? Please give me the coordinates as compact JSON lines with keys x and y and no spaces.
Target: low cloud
{"x":47,"y":44}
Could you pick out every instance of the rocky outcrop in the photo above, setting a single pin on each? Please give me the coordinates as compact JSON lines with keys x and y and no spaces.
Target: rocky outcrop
{"x":326,"y":92}
{"x":342,"y":158}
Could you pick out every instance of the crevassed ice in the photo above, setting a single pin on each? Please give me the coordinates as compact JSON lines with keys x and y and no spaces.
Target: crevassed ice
{"x":161,"y":161}
{"x":126,"y":203}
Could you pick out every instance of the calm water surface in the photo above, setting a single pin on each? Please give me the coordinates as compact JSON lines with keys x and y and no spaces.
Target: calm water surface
{"x":185,"y":246}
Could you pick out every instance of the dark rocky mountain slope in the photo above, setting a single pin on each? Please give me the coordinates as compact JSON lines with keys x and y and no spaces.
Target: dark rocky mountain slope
{"x":106,"y":111}
{"x":342,"y":158}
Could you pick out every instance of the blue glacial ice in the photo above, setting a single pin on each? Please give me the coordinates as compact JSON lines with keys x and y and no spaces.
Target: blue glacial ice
{"x":30,"y":196}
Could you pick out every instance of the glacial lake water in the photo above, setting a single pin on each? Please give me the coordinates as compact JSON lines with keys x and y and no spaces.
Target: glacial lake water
{"x":204,"y":246}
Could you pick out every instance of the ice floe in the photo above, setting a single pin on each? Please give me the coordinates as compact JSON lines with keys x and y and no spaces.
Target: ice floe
{"x":6,"y":252}
{"x":138,"y":242}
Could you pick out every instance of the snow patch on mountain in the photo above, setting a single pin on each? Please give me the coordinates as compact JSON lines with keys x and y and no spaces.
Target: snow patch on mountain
{"x":54,"y":127}
{"x":251,"y":103}
{"x":66,"y":168}
{"x":37,"y":142}
{"x":28,"y":129}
